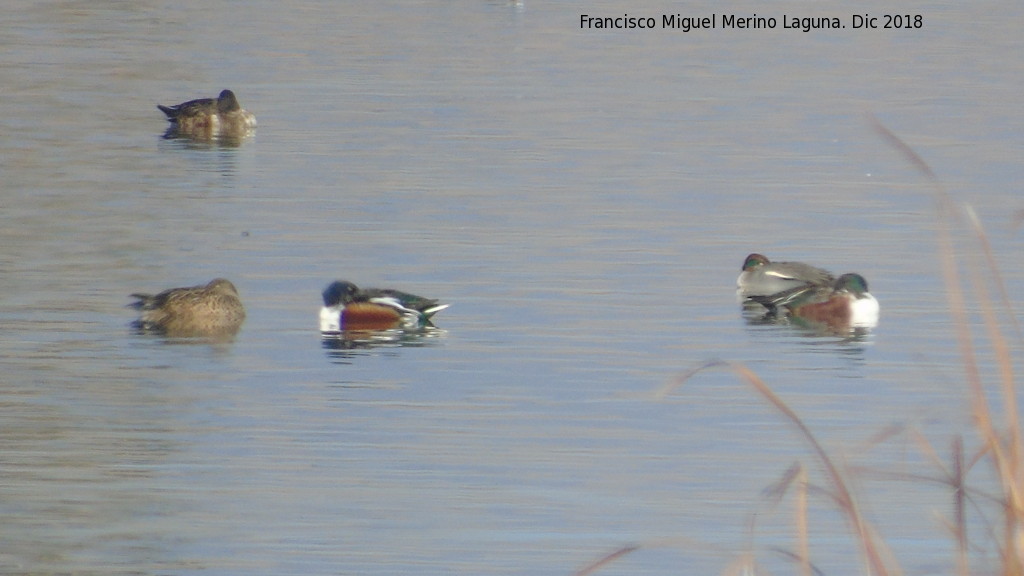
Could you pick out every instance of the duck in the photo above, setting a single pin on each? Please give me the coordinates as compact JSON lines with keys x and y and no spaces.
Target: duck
{"x":210,"y":116}
{"x":209,"y":309}
{"x":762,"y":277}
{"x":347,"y":307}
{"x":847,"y":303}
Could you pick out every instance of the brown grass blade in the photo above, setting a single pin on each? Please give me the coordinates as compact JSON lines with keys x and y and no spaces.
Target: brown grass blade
{"x":870,"y":544}
{"x":803,"y":540}
{"x":1006,"y":452}
{"x":605,"y":560}
{"x":959,"y":505}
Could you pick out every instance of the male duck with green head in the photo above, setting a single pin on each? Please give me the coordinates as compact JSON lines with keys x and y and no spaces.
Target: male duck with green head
{"x":347,"y":307}
{"x":761,"y":277}
{"x":845,"y":304}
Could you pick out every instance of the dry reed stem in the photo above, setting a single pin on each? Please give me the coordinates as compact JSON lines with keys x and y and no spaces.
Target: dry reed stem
{"x":1009,"y":472}
{"x":955,"y":479}
{"x":925,"y":447}
{"x":1006,"y":449}
{"x":605,"y":560}
{"x":993,"y":266}
{"x":1005,"y":363}
{"x":871,"y":546}
{"x":803,"y":541}
{"x":1006,"y":453}
{"x":959,"y":504}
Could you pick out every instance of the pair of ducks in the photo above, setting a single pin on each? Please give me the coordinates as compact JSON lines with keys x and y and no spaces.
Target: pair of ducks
{"x":804,"y":291}
{"x":215,"y":309}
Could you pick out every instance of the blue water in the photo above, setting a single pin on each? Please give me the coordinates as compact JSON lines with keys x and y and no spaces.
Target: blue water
{"x":583,"y":199}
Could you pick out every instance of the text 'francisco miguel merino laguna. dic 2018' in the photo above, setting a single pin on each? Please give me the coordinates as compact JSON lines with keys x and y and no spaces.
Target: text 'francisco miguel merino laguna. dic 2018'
{"x":754,"y":22}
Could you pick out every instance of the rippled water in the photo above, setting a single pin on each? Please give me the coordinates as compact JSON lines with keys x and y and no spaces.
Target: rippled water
{"x":584,"y":199}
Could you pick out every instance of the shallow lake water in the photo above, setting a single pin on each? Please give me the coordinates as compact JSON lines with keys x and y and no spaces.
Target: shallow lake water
{"x":584,"y":200}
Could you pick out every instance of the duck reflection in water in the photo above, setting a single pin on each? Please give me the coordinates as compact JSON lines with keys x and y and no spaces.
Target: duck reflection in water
{"x":352,"y":343}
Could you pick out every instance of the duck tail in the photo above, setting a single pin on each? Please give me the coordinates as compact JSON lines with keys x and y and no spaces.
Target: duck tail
{"x":142,"y":301}
{"x":429,"y":312}
{"x":171,"y":112}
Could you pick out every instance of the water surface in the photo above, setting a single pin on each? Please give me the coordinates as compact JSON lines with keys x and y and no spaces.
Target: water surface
{"x":584,"y":199}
